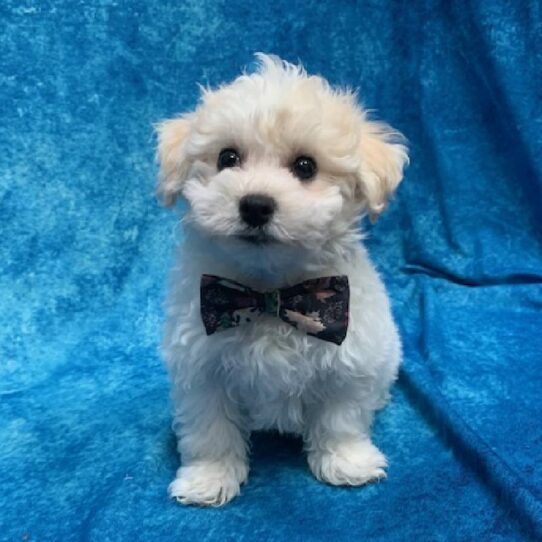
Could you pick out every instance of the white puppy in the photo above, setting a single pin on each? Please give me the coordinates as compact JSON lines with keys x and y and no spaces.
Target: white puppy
{"x":277,"y":168}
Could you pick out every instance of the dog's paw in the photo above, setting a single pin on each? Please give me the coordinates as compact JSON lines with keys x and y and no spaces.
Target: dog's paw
{"x":351,"y":464}
{"x":208,"y":483}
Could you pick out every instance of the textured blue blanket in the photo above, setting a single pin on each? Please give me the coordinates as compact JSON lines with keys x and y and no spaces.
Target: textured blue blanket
{"x":86,"y":451}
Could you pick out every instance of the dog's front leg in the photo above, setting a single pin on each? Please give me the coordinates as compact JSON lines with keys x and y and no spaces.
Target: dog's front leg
{"x":337,"y":439}
{"x":212,"y":447}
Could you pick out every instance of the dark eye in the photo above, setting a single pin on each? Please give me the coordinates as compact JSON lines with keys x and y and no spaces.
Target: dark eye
{"x":228,"y":158}
{"x":304,"y":168}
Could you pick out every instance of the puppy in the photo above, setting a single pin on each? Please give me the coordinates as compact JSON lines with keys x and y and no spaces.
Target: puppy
{"x":276,"y":318}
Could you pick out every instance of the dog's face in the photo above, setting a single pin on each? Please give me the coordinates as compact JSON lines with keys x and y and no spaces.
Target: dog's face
{"x":278,"y":160}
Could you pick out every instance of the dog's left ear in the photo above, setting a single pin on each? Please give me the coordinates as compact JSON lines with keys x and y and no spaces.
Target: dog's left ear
{"x":171,"y":137}
{"x":383,"y":156}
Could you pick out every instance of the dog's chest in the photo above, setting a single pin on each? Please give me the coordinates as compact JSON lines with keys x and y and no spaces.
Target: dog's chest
{"x":271,"y":353}
{"x":271,"y":370}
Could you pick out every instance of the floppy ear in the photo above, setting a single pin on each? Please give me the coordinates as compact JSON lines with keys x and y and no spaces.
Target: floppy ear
{"x":383,"y":158}
{"x":171,"y":136}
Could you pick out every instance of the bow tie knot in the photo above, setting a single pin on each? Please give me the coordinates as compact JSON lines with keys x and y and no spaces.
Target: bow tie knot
{"x":318,"y":307}
{"x":271,"y":302}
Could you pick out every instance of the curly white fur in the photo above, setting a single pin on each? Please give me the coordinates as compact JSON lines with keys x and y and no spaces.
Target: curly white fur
{"x":267,"y":374}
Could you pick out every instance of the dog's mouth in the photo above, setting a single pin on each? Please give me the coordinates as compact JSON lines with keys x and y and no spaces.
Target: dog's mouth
{"x":258,"y":238}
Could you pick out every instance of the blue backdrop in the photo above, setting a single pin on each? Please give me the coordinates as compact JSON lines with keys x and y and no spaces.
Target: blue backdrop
{"x":86,"y":450}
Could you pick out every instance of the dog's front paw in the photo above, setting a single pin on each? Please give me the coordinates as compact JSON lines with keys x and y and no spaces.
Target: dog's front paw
{"x":352,"y":464}
{"x":208,"y":483}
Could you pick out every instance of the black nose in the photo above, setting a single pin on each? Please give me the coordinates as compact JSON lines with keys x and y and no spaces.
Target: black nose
{"x":256,"y":209}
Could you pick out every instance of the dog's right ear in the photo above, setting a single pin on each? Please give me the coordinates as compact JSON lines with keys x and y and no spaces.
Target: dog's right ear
{"x":173,"y":168}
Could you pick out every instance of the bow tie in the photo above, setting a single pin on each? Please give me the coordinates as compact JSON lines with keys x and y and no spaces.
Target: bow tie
{"x":318,"y":307}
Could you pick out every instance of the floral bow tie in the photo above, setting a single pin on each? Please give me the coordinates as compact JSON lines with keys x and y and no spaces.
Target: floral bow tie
{"x":318,"y":307}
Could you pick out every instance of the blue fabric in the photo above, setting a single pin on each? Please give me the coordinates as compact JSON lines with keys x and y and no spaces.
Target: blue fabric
{"x":86,"y":450}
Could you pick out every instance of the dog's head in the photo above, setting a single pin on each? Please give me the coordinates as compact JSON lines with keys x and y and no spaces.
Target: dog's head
{"x":278,"y":158}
